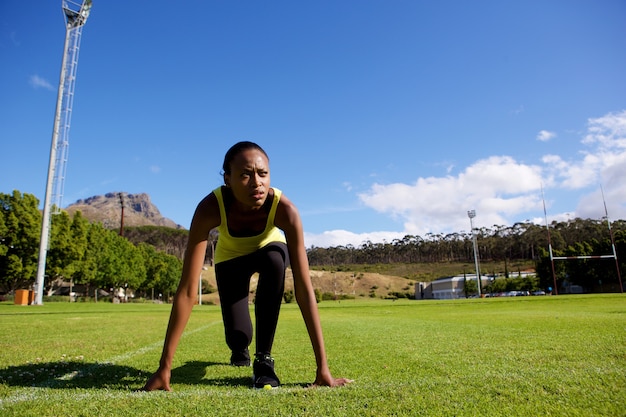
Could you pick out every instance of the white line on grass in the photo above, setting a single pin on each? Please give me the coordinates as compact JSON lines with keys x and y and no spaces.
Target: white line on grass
{"x":26,"y":394}
{"x":39,"y":393}
{"x":121,"y":358}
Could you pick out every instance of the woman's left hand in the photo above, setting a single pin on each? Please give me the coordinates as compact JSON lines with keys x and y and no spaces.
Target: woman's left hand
{"x":325,"y":379}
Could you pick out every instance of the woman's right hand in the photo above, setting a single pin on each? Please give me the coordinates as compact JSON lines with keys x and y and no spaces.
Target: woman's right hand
{"x":159,"y":381}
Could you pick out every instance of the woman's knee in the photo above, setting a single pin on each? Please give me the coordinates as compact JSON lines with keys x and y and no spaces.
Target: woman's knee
{"x":238,"y":340}
{"x":276,"y":256}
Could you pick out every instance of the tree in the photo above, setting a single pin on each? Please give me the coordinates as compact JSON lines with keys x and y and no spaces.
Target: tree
{"x":122,"y":265}
{"x":20,"y":227}
{"x":164,"y":239}
{"x":163,"y":271}
{"x":79,"y":231}
{"x":470,"y":287}
{"x":63,"y":252}
{"x":89,"y":270}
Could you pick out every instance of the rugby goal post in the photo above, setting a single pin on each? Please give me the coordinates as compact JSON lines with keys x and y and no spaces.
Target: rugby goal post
{"x":565,"y":258}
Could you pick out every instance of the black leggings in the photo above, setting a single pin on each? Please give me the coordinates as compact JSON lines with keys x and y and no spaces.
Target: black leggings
{"x":233,"y":284}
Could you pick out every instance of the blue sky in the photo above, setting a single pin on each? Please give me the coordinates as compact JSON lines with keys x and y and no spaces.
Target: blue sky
{"x":381,"y":118}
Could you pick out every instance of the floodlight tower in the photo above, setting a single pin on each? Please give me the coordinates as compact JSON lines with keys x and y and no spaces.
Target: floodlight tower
{"x":471,"y":214}
{"x":76,"y":14}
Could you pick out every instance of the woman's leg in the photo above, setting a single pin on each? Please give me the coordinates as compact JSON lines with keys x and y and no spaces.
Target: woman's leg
{"x":270,"y":262}
{"x":233,"y":284}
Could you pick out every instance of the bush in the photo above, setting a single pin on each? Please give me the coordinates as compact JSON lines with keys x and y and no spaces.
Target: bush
{"x":328,"y":296}
{"x":207,"y":288}
{"x":56,"y":298}
{"x":398,"y":294}
{"x":288,"y":296}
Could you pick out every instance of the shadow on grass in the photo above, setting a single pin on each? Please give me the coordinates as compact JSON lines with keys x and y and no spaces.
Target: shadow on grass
{"x":194,"y":372}
{"x":73,"y":374}
{"x":79,"y":374}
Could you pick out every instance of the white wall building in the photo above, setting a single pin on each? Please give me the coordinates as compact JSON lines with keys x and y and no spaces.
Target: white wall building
{"x":453,"y":287}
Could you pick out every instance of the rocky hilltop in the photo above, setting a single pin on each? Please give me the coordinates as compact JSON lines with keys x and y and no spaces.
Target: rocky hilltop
{"x":107,"y":209}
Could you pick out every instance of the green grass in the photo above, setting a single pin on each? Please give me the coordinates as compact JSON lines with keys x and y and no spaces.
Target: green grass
{"x":523,"y":356}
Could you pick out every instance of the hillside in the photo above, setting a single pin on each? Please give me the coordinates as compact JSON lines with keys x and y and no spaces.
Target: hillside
{"x":107,"y":209}
{"x":340,"y":283}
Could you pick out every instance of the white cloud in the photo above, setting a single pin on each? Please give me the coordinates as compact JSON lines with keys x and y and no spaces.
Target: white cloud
{"x":603,"y":161}
{"x":503,"y":190}
{"x":496,"y":187}
{"x":608,"y":135}
{"x":545,"y":135}
{"x":574,"y":174}
{"x":608,"y":131}
{"x":37,"y":82}
{"x":155,"y":169}
{"x":344,"y":238}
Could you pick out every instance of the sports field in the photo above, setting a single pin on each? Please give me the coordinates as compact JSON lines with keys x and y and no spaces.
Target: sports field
{"x":520,"y":356}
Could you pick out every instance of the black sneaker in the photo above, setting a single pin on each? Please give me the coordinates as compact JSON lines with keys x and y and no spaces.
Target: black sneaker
{"x":264,"y":375}
{"x":241,"y":358}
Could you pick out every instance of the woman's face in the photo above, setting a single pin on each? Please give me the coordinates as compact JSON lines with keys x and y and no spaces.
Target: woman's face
{"x":249,"y":178}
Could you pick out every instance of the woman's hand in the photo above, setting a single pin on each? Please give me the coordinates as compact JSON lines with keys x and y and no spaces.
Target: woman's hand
{"x":325,"y":379}
{"x":335,"y":382}
{"x":159,"y":381}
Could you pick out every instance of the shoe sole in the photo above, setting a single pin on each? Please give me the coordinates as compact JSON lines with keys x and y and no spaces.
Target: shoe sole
{"x":264,"y":386}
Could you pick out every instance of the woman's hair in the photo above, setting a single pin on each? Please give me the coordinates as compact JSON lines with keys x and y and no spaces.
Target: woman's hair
{"x":235,"y":150}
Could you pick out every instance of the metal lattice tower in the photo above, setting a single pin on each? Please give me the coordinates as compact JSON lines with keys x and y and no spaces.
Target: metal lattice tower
{"x":75,"y":19}
{"x":76,"y":14}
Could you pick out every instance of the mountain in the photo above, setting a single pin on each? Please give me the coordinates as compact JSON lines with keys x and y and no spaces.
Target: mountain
{"x":107,"y":209}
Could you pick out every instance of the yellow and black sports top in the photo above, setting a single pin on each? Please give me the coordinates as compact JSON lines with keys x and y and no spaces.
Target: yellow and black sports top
{"x":229,"y":247}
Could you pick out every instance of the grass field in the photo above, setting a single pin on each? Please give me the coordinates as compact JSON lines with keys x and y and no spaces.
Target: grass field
{"x":522,"y":356}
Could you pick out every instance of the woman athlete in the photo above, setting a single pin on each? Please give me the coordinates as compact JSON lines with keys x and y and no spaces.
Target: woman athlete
{"x":259,"y":231}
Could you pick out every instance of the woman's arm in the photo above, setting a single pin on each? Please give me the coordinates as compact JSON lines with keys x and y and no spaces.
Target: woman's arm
{"x":288,"y":219}
{"x":205,"y":218}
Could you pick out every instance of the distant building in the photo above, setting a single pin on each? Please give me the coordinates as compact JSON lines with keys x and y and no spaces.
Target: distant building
{"x":448,"y":288}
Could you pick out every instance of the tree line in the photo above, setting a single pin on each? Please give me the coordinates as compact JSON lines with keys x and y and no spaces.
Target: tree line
{"x":148,"y":258}
{"x":524,"y":241}
{"x":85,"y":253}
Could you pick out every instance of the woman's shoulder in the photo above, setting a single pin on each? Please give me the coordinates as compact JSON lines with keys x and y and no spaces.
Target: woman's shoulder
{"x":282,"y":198}
{"x":208,"y":210}
{"x":286,"y":212}
{"x":211,"y":198}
